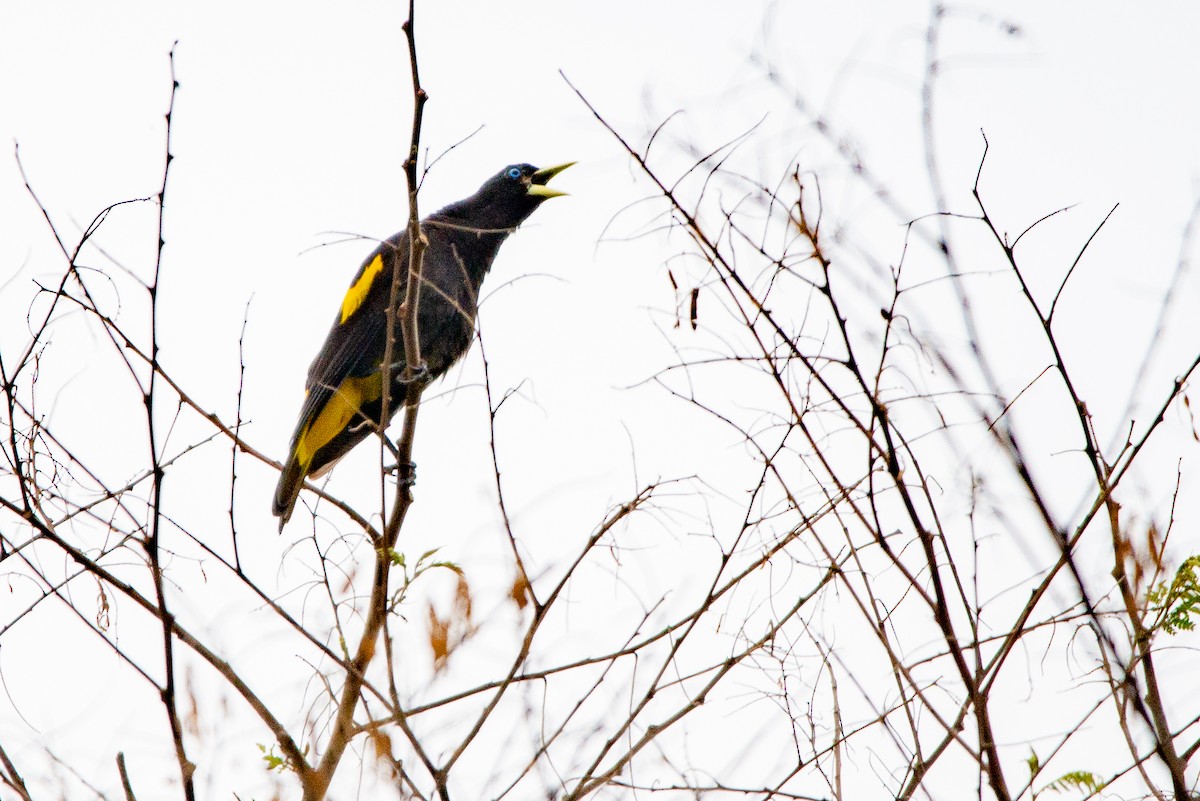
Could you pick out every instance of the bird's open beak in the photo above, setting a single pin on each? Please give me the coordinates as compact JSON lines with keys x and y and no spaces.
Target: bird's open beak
{"x":537,"y":181}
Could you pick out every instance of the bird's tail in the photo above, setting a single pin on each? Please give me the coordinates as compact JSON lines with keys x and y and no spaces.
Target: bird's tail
{"x":288,"y":489}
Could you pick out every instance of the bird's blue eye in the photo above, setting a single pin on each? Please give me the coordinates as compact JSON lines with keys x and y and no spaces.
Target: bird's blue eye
{"x":514,"y":172}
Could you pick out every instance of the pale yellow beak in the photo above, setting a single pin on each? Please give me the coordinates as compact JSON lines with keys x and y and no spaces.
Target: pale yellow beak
{"x":537,"y":181}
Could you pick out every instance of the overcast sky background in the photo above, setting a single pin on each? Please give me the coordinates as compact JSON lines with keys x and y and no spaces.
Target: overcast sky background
{"x":290,"y":126}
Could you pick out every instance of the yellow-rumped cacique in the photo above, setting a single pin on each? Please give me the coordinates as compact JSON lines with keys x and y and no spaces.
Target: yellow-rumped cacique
{"x":343,"y":395}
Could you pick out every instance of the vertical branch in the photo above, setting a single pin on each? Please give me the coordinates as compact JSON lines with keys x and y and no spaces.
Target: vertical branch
{"x":126,"y":784}
{"x":415,"y":378}
{"x":237,"y":433}
{"x":153,"y":549}
{"x":405,"y":312}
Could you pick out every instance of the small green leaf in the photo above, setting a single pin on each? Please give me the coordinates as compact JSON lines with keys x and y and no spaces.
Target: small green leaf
{"x":1178,"y":602}
{"x":1076,"y":780}
{"x":274,"y":762}
{"x":1034,"y":763}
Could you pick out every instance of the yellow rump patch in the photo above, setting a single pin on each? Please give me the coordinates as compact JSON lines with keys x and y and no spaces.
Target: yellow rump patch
{"x":337,"y":413}
{"x":358,"y":292}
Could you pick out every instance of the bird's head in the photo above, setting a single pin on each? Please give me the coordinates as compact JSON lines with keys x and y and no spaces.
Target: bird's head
{"x":526,"y":180}
{"x":507,"y":198}
{"x":535,"y":182}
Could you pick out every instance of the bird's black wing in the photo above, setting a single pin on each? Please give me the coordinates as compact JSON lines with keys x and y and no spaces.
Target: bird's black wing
{"x":354,"y":347}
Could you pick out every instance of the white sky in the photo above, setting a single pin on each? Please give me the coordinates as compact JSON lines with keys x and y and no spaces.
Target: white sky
{"x":292,"y":120}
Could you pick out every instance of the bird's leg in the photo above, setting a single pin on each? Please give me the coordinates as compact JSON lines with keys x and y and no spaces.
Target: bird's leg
{"x":419,"y":374}
{"x":406,"y":473}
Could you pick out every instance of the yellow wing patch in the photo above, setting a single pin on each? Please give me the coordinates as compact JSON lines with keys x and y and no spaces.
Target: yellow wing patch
{"x":338,"y":411}
{"x":358,"y":292}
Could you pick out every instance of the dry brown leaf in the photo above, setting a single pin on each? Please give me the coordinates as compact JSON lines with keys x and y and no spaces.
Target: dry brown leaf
{"x":383,"y":744}
{"x":439,"y":639}
{"x":521,"y":592}
{"x":462,"y":603}
{"x":1154,"y":546}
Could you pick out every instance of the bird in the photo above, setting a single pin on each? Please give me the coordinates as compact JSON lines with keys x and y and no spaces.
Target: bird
{"x":344,"y":388}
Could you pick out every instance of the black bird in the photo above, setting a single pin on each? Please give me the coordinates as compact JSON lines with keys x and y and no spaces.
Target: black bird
{"x":343,"y":393}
